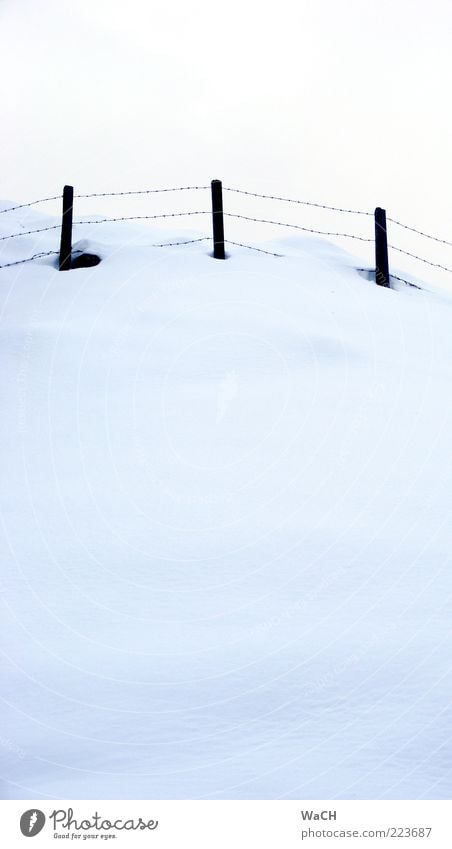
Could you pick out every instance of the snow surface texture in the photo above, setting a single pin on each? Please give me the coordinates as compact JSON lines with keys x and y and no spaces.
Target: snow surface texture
{"x":226,"y":525}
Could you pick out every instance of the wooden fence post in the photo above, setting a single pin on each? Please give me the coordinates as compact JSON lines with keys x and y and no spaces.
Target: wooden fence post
{"x":217,"y":220}
{"x":66,"y":229}
{"x":381,"y":249}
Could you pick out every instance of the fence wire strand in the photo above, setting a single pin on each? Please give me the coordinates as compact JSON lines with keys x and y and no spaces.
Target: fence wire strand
{"x":392,"y":277}
{"x":301,"y":202}
{"x":106,"y":195}
{"x":408,"y":282}
{"x":173,"y":244}
{"x":103,"y":221}
{"x":142,"y":192}
{"x":55,"y":253}
{"x":297,"y":227}
{"x":30,"y":203}
{"x":142,"y":217}
{"x":420,"y":232}
{"x":29,"y":259}
{"x":31,"y":232}
{"x":421,"y":259}
{"x":251,"y":248}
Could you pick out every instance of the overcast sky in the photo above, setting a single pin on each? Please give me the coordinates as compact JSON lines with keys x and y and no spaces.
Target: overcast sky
{"x":345,"y":103}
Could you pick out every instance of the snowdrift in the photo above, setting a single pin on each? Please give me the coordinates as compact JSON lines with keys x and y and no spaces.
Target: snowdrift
{"x":225,"y":524}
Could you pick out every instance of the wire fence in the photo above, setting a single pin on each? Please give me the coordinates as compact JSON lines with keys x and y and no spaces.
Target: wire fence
{"x":238,"y":216}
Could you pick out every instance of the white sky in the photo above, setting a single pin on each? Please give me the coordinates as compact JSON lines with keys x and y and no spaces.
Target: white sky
{"x":345,"y":103}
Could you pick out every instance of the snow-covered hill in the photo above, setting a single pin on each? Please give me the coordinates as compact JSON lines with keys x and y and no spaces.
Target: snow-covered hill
{"x":226,"y":524}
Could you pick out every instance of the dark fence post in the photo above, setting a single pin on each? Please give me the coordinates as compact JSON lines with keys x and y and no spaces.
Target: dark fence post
{"x":381,"y":248}
{"x":217,"y":219}
{"x":66,"y":229}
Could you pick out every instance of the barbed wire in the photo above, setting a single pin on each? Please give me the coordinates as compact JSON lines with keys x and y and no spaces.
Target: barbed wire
{"x":420,"y":232}
{"x":143,"y":217}
{"x":142,"y":192}
{"x":29,"y":259}
{"x":327,"y":233}
{"x":297,"y":227}
{"x":104,"y":195}
{"x":188,"y":242}
{"x":78,"y":251}
{"x":421,"y":259}
{"x":408,"y":282}
{"x":301,"y":202}
{"x":103,"y":221}
{"x":31,"y":232}
{"x":237,"y":191}
{"x":392,"y":276}
{"x":30,"y":203}
{"x":251,"y":248}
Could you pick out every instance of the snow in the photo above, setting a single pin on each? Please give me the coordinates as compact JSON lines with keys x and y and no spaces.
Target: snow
{"x":225,"y":523}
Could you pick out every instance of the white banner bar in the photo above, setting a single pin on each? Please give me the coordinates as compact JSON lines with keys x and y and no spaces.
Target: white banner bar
{"x":227,"y":824}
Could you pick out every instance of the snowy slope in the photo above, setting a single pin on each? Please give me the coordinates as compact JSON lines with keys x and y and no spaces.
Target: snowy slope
{"x":226,"y":525}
